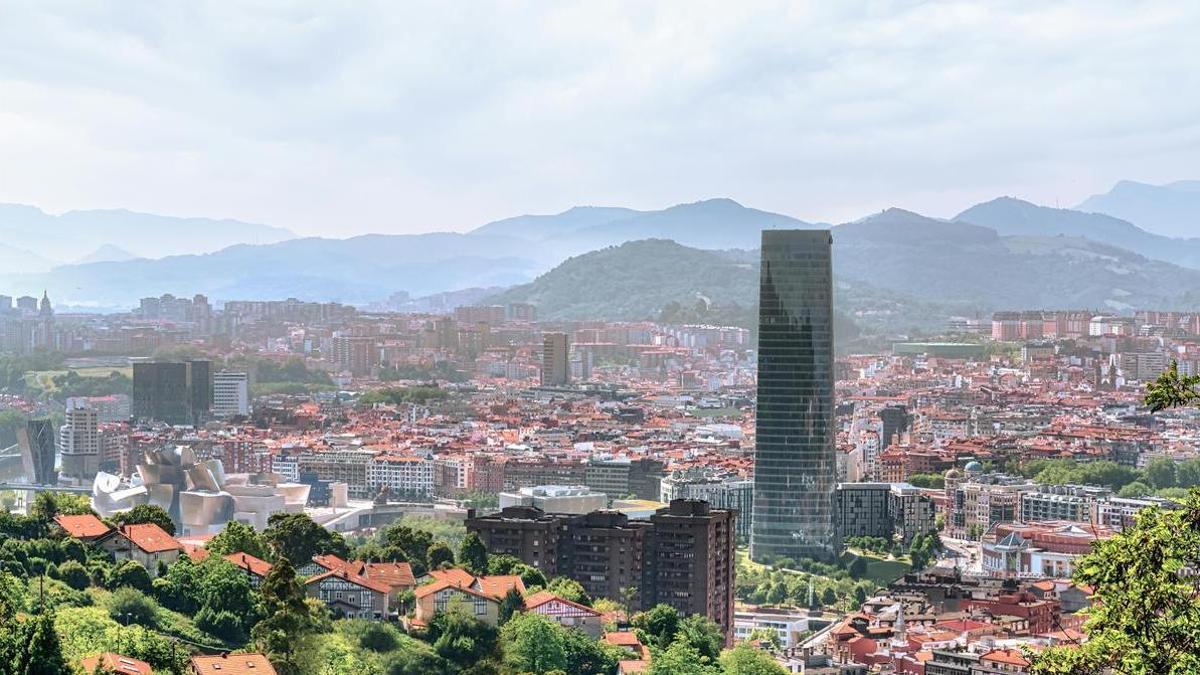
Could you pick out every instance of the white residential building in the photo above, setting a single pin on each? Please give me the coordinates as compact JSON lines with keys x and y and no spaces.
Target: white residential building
{"x":405,"y":476}
{"x":231,"y":394}
{"x":79,"y":442}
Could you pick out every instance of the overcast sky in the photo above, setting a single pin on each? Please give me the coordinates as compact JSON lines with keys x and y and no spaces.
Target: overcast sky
{"x":345,"y":117}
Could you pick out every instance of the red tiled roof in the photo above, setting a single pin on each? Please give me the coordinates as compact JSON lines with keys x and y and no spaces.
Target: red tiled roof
{"x":194,"y":551}
{"x":330,"y":562}
{"x":442,"y":584}
{"x":622,"y":638}
{"x":542,"y":597}
{"x":456,"y":576}
{"x":83,"y":526}
{"x":351,"y":577}
{"x":121,"y":665}
{"x":1009,"y":656}
{"x":394,"y":574}
{"x":498,"y":586}
{"x":233,"y":664}
{"x":249,"y":563}
{"x":150,"y":538}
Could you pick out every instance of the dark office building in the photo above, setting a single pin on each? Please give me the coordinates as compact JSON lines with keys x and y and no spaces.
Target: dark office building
{"x":36,"y":440}
{"x":622,"y":477}
{"x":895,"y":422}
{"x":200,"y":383}
{"x":794,"y":462}
{"x":174,"y":393}
{"x":683,"y":556}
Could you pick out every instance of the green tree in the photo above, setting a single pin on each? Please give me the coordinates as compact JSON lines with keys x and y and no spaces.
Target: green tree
{"x":657,"y":626}
{"x":74,"y":575}
{"x":238,"y":537}
{"x":287,"y":617}
{"x":533,"y":644}
{"x":129,"y":605}
{"x":682,"y":659}
{"x":927,"y":480}
{"x":473,"y":555}
{"x":1172,"y":390}
{"x":224,"y":588}
{"x":1135,"y":489}
{"x":146,"y":513}
{"x":702,"y":635}
{"x":37,"y":650}
{"x":569,"y":589}
{"x":296,"y":537}
{"x":1161,"y":473}
{"x":461,"y":639}
{"x":777,"y":593}
{"x":1145,"y":618}
{"x":828,"y":597}
{"x":130,"y":573}
{"x":44,"y":507}
{"x":1188,"y":472}
{"x":378,"y":637}
{"x":511,"y":604}
{"x":746,"y":660}
{"x":179,"y":588}
{"x":440,"y":554}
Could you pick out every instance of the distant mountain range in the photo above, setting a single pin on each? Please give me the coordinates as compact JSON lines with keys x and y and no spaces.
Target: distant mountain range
{"x":1172,"y":210}
{"x":711,"y":224}
{"x":930,"y":269}
{"x":1010,"y":216}
{"x":76,"y":235}
{"x":892,"y":267}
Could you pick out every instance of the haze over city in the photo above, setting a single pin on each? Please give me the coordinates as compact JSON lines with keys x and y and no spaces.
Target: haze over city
{"x":591,"y":338}
{"x":413,"y":118}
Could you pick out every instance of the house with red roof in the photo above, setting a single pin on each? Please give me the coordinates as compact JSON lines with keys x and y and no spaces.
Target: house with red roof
{"x":351,"y":595}
{"x":232,"y":664}
{"x":85,"y":527}
{"x":256,"y":569}
{"x":455,"y":588}
{"x":565,"y":612}
{"x":121,"y":665}
{"x":1005,"y":661}
{"x":146,"y":543}
{"x":397,"y":576}
{"x":628,"y":640}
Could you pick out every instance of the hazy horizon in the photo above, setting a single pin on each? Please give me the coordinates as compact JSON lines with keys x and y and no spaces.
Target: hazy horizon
{"x":337,"y":122}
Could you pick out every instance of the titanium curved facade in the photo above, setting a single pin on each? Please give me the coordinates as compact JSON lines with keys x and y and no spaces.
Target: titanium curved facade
{"x":794,"y":459}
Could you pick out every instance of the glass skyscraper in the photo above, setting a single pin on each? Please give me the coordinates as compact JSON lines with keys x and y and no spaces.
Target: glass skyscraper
{"x":794,"y":459}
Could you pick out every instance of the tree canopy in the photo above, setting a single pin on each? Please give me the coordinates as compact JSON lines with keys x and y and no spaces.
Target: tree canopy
{"x":1145,"y":617}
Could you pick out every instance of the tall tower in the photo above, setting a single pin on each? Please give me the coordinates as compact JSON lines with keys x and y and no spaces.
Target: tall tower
{"x":556,"y":366}
{"x":794,"y":460}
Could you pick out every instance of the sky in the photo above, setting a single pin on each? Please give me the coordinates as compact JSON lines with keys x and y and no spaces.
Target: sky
{"x":336,"y":118}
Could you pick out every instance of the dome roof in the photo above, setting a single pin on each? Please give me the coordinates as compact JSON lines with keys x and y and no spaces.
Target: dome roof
{"x":973,"y":467}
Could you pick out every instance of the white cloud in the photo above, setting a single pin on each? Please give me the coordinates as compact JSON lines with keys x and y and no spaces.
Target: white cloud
{"x":340,"y":118}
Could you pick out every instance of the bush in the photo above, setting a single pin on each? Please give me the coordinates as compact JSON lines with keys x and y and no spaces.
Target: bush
{"x":220,"y":623}
{"x":130,"y":573}
{"x":128,"y":605}
{"x":74,"y":575}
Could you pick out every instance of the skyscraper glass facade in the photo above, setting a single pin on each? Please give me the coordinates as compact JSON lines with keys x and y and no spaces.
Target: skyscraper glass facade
{"x":794,"y":461}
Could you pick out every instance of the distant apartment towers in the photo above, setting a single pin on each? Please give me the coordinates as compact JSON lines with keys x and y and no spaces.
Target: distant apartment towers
{"x":556,"y":363}
{"x":795,"y":461}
